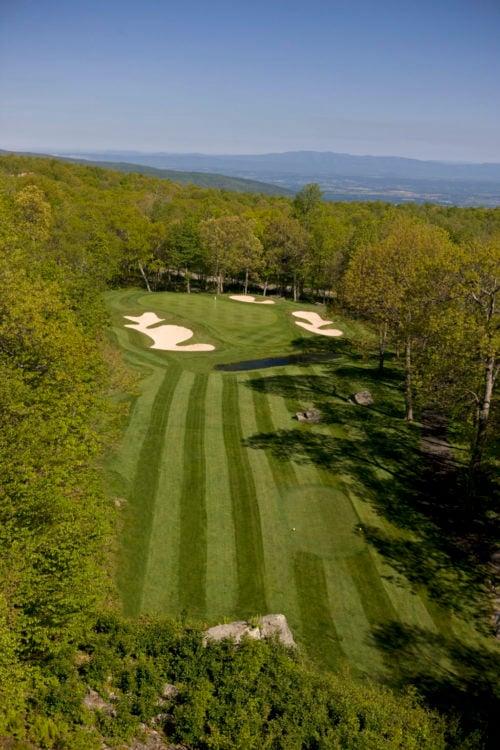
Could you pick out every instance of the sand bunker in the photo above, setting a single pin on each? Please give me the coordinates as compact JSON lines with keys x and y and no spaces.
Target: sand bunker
{"x":165,"y":337}
{"x":316,"y":323}
{"x":249,"y":298}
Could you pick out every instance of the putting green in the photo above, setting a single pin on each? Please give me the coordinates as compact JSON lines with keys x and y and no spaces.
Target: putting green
{"x":235,"y":509}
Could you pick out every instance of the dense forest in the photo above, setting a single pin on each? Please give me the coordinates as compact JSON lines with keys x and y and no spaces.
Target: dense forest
{"x":425,"y":278}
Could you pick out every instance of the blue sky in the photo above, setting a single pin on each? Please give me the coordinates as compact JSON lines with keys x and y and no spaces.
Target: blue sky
{"x":418,"y":79}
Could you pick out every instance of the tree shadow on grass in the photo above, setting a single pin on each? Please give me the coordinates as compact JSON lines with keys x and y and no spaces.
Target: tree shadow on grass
{"x":418,"y":490}
{"x":421,"y":554}
{"x":454,"y":677}
{"x":340,"y":346}
{"x":429,"y":565}
{"x":381,"y":458}
{"x":300,"y":387}
{"x":331,"y":391}
{"x":354,"y":355}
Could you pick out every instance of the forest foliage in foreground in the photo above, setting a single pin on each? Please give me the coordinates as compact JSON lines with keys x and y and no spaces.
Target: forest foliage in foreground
{"x":66,"y":234}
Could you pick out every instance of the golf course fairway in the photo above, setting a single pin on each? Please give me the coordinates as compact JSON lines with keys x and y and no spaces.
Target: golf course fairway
{"x":231,"y":508}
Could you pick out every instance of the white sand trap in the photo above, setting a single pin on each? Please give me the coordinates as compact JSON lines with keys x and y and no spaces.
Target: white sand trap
{"x":165,"y":337}
{"x":249,"y":298}
{"x":316,"y":323}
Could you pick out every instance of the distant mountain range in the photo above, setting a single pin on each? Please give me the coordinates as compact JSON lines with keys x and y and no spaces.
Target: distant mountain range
{"x":340,"y":176}
{"x":305,"y":163}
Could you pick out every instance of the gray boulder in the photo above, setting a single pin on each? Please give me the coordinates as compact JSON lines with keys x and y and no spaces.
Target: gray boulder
{"x":268,"y":626}
{"x":363,"y":398}
{"x":309,"y":415}
{"x":272,"y":625}
{"x":235,"y":630}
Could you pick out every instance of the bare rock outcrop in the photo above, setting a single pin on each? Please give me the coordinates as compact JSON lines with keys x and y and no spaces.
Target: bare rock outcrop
{"x":169,"y":691}
{"x":235,"y":630}
{"x":268,"y":626}
{"x":272,"y":625}
{"x":93,"y":701}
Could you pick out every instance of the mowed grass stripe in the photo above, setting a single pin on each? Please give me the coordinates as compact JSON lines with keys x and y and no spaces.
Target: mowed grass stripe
{"x":283,"y":471}
{"x":251,"y":319}
{"x":410,"y":608}
{"x":121,"y":476}
{"x":140,"y":510}
{"x":221,"y":577}
{"x":160,"y":592}
{"x":380,"y":590}
{"x":306,"y":521}
{"x":247,"y":524}
{"x":193,"y":515}
{"x":326,"y":523}
{"x":276,"y":531}
{"x":359,"y":563}
{"x":319,"y":630}
{"x":351,"y":623}
{"x":376,"y":604}
{"x":322,"y":519}
{"x":320,"y":523}
{"x":282,"y":410}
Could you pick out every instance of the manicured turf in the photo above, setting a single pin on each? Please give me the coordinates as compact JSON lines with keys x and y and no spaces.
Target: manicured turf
{"x":234,"y":509}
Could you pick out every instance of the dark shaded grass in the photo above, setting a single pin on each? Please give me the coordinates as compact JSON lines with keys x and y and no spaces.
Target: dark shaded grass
{"x":343,"y":346}
{"x":247,"y":524}
{"x":433,"y":565}
{"x":456,"y":678}
{"x":282,"y":471}
{"x":431,"y":559}
{"x":376,"y":604}
{"x":140,"y":509}
{"x":339,"y":382}
{"x":318,"y":626}
{"x":381,"y":457}
{"x":193,"y":513}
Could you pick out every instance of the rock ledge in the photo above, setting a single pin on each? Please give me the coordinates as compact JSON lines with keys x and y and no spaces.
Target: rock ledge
{"x":267,"y":626}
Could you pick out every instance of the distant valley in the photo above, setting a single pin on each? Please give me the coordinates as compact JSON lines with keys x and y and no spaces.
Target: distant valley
{"x":342,"y":177}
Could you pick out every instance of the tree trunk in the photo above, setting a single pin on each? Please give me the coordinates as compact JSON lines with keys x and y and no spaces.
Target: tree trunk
{"x":408,"y":383}
{"x":382,"y":340}
{"x":295,"y":287}
{"x":246,"y":281}
{"x":483,"y":415}
{"x":265,"y":288}
{"x":141,"y":269}
{"x":158,"y":278}
{"x":187,"y":276}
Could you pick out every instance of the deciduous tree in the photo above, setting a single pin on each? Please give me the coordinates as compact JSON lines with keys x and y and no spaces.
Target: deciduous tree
{"x":396,"y":281}
{"x":285,"y":241}
{"x":228,"y":239}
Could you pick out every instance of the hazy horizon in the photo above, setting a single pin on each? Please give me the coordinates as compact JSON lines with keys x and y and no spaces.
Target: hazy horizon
{"x":364,"y":79}
{"x":81,"y":152}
